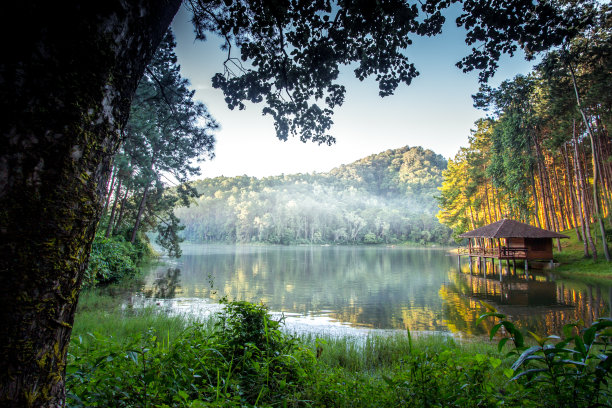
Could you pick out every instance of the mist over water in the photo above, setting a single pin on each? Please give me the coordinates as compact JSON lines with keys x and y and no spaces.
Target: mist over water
{"x":321,"y":288}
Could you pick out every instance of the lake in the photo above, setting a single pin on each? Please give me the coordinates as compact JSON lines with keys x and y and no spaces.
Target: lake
{"x":343,"y":290}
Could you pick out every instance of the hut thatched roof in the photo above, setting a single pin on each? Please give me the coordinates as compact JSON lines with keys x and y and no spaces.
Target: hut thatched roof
{"x":511,"y":229}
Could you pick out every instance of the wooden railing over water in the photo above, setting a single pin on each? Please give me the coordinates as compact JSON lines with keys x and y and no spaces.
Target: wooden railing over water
{"x":500,"y":252}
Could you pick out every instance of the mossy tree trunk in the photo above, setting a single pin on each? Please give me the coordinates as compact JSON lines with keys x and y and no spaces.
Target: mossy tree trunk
{"x":67,"y":76}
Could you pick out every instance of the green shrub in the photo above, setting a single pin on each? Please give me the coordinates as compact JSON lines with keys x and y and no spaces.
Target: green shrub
{"x":573,"y":372}
{"x":370,"y":238}
{"x":110,"y":260}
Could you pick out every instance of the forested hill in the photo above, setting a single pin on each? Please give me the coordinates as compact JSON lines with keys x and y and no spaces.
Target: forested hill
{"x":383,"y":198}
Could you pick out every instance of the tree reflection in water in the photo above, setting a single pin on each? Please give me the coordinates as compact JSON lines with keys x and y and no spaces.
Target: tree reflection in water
{"x":375,"y":287}
{"x":536,"y":302}
{"x":165,"y":285}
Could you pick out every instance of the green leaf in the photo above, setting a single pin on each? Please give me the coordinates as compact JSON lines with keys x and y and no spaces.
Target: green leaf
{"x":519,"y":341}
{"x":490,"y":307}
{"x":580,"y":346}
{"x":589,"y":335}
{"x":508,"y":372}
{"x":389,"y":381}
{"x":573,"y":362}
{"x":568,"y":329}
{"x":482,"y":317}
{"x":527,"y":353}
{"x":495,"y":362}
{"x":494,"y":330}
{"x":133,"y":356}
{"x":502,"y":343}
{"x":538,"y":339}
{"x":183,"y":394}
{"x":532,"y":371}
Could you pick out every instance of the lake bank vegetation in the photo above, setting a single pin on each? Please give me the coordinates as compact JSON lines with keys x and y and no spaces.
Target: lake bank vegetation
{"x":544,"y":155}
{"x":383,"y":198}
{"x":143,"y":357}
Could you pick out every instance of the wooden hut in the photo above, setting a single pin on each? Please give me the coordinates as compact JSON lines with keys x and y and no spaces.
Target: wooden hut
{"x":508,"y":239}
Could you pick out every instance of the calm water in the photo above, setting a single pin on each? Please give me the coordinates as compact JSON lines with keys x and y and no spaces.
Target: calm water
{"x":326,"y":289}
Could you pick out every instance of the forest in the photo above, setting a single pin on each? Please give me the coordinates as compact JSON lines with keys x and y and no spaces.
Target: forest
{"x":383,"y":198}
{"x":543,"y":155}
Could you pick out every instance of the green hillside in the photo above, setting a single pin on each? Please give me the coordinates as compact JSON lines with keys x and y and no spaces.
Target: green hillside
{"x":383,"y":198}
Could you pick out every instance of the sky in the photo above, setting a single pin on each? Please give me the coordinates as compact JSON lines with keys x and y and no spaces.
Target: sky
{"x":435,"y":111}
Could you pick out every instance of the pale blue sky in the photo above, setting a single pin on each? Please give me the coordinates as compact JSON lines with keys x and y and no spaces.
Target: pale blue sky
{"x":435,"y":111}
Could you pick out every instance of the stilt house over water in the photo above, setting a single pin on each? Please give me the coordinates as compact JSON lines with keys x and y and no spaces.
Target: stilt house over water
{"x":508,"y":239}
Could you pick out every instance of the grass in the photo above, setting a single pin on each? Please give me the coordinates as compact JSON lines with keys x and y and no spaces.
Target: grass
{"x":101,"y":314}
{"x":376,"y":353}
{"x":573,"y":262}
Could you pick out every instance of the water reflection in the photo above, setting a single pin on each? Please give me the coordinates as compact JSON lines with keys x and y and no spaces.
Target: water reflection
{"x":165,"y":284}
{"x":373,"y":287}
{"x":538,"y":302}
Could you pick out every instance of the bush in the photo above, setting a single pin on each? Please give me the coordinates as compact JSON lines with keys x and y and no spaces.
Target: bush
{"x":370,"y":238}
{"x":111,"y":259}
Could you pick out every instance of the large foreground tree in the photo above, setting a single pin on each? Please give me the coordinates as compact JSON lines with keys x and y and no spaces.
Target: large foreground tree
{"x":66,"y":83}
{"x":67,"y":77}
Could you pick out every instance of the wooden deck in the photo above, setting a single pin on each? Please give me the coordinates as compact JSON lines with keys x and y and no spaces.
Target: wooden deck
{"x":497,"y":253}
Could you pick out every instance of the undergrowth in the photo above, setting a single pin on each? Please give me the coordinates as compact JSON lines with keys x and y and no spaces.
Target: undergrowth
{"x":242,"y":358}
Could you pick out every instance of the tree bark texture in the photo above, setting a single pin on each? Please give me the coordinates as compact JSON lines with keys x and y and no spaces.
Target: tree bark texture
{"x":66,"y":82}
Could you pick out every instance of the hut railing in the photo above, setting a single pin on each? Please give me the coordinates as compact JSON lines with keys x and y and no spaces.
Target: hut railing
{"x":500,"y":252}
{"x":505,"y":252}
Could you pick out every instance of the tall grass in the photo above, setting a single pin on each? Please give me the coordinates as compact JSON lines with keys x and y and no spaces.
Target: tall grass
{"x":376,"y":353}
{"x":101,"y":314}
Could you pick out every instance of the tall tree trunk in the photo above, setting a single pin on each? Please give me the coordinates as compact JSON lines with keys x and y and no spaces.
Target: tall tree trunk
{"x":472,"y":216}
{"x":111,"y":218}
{"x":576,"y":211}
{"x":121,"y":212}
{"x":605,"y":191}
{"x":499,"y":208}
{"x":556,"y":193}
{"x":585,"y":177}
{"x":66,"y":80}
{"x":535,"y":200}
{"x":581,"y":188}
{"x":109,"y":191}
{"x":594,"y":159}
{"x":562,"y":205}
{"x":547,"y":221}
{"x":141,"y":207}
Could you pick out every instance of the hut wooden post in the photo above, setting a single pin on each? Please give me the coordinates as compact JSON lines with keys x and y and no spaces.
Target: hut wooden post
{"x":470,"y":253}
